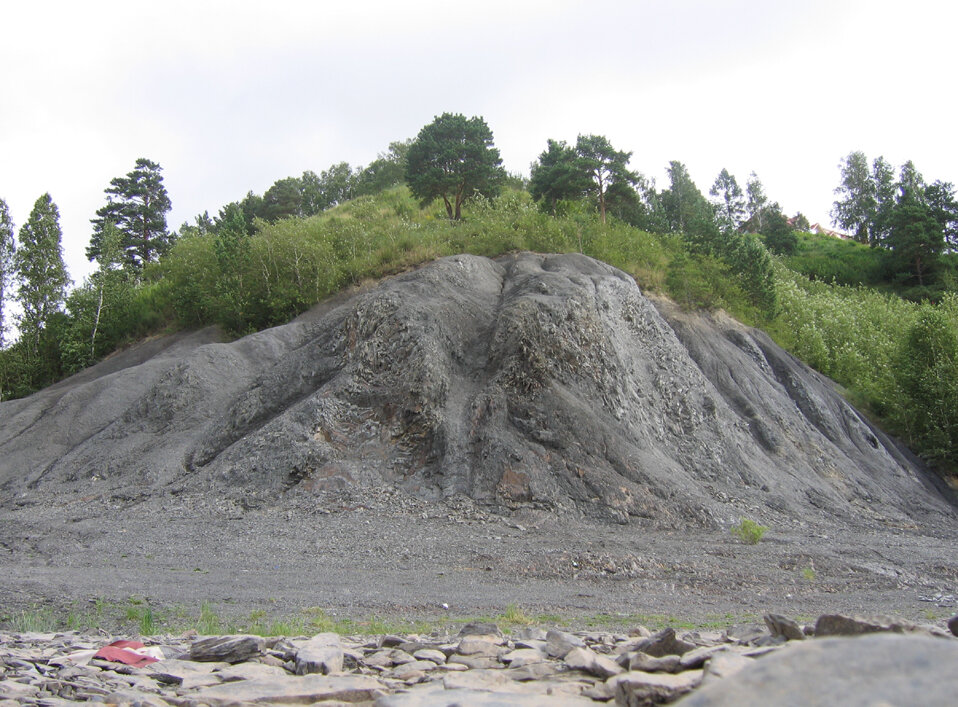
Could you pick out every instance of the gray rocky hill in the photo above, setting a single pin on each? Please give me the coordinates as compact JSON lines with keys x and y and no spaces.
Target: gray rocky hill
{"x":528,"y":381}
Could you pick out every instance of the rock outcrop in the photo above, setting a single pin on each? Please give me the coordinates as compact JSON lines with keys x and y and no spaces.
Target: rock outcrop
{"x":531,"y":380}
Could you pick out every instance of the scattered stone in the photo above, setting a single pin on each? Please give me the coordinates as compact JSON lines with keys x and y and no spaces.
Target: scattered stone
{"x":323,"y":654}
{"x":480,"y":628}
{"x":226,"y":649}
{"x":637,"y":689}
{"x":650,"y":664}
{"x":35,"y":670}
{"x":523,"y":656}
{"x":840,"y":625}
{"x":475,"y":662}
{"x":10,"y":689}
{"x":298,"y":689}
{"x":388,"y":658}
{"x":249,"y":671}
{"x":697,"y":657}
{"x":531,"y":633}
{"x":665,"y":642}
{"x":534,"y":671}
{"x":477,"y":679}
{"x":724,"y":664}
{"x":437,"y":697}
{"x":592,"y":663}
{"x":437,"y":657}
{"x":745,"y":634}
{"x":478,"y":645}
{"x":559,"y":643}
{"x":779,"y":625}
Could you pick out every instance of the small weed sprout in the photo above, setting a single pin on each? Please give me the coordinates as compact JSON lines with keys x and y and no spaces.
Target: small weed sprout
{"x":748,"y":531}
{"x":809,"y":573}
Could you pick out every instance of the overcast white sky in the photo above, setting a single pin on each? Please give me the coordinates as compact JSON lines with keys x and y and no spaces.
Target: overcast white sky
{"x":230,"y":96}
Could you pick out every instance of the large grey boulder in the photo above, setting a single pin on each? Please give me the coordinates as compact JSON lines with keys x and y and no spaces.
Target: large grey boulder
{"x":877,"y":669}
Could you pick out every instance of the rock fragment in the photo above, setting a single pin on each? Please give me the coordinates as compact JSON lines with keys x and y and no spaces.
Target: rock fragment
{"x":841,"y":625}
{"x":227,"y":649}
{"x":323,"y":654}
{"x":783,"y":626}
{"x":295,"y":689}
{"x":559,"y":643}
{"x":638,"y":689}
{"x":879,"y":669}
{"x":665,"y":642}
{"x":592,"y":663}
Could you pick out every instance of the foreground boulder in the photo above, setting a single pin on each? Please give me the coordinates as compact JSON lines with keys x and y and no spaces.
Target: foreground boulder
{"x":537,"y":380}
{"x":870,"y":670}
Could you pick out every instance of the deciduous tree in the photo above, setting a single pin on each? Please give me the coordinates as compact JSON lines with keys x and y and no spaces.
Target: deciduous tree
{"x":729,"y":201}
{"x":7,"y":272}
{"x":856,"y":206}
{"x":687,"y":211}
{"x":453,"y":158}
{"x":41,"y":272}
{"x":755,"y":203}
{"x":385,"y":171}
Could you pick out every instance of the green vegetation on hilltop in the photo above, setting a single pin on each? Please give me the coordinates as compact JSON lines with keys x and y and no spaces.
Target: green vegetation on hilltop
{"x":263,"y":260}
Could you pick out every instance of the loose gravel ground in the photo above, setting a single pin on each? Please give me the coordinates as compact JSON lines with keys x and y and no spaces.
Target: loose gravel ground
{"x":396,"y":556}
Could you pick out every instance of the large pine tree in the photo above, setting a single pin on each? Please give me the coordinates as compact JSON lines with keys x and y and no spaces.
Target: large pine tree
{"x":453,"y":158}
{"x":137,"y":205}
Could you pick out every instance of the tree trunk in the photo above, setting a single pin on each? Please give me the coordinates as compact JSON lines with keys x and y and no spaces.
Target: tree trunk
{"x":96,"y":324}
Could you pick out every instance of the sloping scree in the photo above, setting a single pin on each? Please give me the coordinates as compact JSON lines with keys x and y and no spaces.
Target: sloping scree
{"x":536,"y":381}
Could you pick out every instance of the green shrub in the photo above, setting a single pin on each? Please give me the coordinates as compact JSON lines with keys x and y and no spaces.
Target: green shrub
{"x":748,"y":531}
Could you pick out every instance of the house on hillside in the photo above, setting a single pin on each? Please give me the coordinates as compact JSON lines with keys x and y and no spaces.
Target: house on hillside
{"x":820,"y":230}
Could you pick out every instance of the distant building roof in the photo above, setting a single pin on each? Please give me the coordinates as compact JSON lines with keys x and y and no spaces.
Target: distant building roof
{"x":817,"y":228}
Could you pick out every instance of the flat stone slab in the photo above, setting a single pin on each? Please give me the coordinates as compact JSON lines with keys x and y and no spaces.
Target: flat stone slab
{"x":301,"y":689}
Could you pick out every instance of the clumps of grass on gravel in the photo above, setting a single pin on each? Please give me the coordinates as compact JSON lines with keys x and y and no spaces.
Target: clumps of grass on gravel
{"x":135,"y":616}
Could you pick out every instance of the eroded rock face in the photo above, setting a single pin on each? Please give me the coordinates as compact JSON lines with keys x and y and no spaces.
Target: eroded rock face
{"x":545,"y":381}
